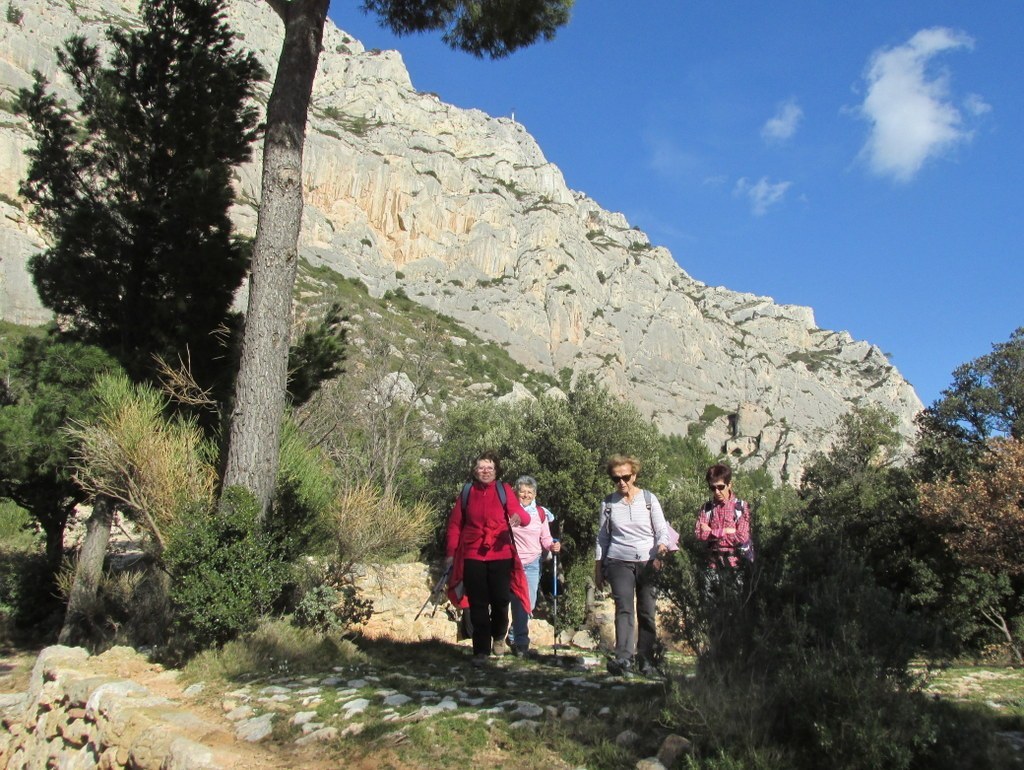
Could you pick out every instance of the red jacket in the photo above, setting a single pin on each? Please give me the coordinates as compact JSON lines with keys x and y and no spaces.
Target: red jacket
{"x":482,"y":533}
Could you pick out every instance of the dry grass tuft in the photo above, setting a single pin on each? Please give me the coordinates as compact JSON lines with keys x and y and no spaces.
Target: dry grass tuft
{"x":155,"y":466}
{"x":374,"y":527}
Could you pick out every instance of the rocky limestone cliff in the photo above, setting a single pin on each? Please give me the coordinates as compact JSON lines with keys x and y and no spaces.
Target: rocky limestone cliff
{"x":462,"y":211}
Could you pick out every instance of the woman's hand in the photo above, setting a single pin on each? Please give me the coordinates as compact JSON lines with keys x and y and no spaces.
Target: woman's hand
{"x":514,"y":520}
{"x":659,"y":559}
{"x":449,"y":562}
{"x":555,"y":546}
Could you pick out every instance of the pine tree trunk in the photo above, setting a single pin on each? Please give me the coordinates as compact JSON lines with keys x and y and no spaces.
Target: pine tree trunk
{"x":259,"y":402}
{"x":88,"y":571}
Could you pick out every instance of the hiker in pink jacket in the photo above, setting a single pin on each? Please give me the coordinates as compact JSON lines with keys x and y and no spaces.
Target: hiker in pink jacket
{"x":532,"y":541}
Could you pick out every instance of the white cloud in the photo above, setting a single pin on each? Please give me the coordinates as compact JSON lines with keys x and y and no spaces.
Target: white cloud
{"x":976,"y":105}
{"x":783,"y":124}
{"x":908,"y":107}
{"x":762,"y":194}
{"x":667,"y":158}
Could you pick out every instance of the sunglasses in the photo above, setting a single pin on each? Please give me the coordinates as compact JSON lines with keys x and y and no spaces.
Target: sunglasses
{"x":719,"y":487}
{"x":617,"y":479}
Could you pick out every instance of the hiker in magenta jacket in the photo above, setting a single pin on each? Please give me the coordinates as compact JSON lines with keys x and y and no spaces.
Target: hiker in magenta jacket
{"x":481,"y":552}
{"x":719,"y":527}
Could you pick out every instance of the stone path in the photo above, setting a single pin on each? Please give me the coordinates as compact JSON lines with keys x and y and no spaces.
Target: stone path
{"x":523,"y":693}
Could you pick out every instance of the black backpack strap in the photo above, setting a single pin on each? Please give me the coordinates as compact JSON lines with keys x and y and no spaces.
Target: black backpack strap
{"x":606,"y":512}
{"x":503,"y":497}
{"x":464,"y":499}
{"x":499,"y":486}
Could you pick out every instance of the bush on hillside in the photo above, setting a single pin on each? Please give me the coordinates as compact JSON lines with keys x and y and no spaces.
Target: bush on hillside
{"x":300,"y":517}
{"x":806,"y":666}
{"x":226,"y":572}
{"x":328,"y":610}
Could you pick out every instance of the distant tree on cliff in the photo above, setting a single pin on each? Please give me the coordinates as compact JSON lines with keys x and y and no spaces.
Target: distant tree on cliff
{"x":986,"y":400}
{"x":493,"y":28}
{"x":133,"y":185}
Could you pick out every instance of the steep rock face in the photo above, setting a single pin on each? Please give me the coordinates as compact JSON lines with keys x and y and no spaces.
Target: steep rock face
{"x":463,"y":212}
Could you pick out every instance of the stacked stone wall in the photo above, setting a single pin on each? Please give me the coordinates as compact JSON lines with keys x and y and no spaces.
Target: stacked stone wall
{"x":73,"y":719}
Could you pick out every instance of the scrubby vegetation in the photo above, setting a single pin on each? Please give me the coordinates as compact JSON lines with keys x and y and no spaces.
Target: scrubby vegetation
{"x":819,"y":656}
{"x":870,"y":570}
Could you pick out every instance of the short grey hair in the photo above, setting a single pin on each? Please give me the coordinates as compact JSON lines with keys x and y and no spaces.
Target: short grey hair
{"x":526,"y":481}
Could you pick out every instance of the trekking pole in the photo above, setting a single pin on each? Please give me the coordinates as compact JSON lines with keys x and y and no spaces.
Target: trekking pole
{"x":438,"y":587}
{"x":554,"y":598}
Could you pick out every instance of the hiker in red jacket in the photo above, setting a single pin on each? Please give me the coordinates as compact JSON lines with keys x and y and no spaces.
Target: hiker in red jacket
{"x":481,"y":551}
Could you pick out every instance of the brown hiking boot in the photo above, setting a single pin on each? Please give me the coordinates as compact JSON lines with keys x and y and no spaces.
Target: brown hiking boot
{"x":499,"y":647}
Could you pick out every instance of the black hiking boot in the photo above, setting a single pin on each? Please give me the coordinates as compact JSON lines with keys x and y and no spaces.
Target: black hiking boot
{"x":617,"y":667}
{"x":650,"y":670}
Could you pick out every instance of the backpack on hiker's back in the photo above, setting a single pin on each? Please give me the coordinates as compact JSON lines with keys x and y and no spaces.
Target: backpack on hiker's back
{"x":743,"y":550}
{"x":606,"y":519}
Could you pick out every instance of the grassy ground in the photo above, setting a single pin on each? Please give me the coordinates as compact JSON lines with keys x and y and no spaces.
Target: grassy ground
{"x":994,"y":692}
{"x":998,"y":688}
{"x":552,"y":711}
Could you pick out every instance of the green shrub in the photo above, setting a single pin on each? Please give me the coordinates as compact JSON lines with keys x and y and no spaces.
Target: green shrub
{"x":316,"y":610}
{"x":572,"y":604}
{"x":327,"y":610}
{"x":807,"y":659}
{"x":226,"y":572}
{"x":29,"y":607}
{"x":299,"y":519}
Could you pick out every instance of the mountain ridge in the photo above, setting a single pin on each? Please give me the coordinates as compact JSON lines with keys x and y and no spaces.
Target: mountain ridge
{"x":464,"y":214}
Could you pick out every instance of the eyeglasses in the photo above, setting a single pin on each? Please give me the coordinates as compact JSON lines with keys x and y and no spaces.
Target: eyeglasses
{"x":718,"y":487}
{"x":617,"y":479}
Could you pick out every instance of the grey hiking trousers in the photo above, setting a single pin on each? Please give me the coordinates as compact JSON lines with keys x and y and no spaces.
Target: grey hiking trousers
{"x":632,"y":584}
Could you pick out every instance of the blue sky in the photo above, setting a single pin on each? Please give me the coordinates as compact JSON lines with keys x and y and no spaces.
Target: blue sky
{"x":865,"y":159}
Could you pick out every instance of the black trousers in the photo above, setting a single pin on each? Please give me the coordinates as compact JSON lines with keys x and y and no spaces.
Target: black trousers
{"x":488,"y":586}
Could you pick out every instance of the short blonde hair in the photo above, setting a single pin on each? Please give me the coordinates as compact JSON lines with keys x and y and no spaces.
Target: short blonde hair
{"x":616,"y":460}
